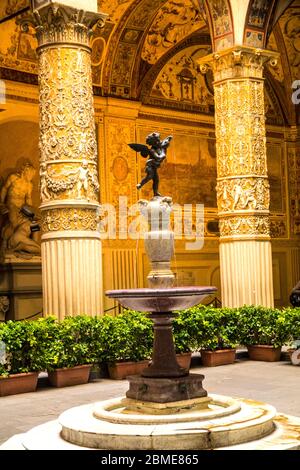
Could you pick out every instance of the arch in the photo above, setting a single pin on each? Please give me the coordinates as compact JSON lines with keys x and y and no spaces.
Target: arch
{"x":124,"y":45}
{"x":176,"y":58}
{"x":221,"y":23}
{"x":259,"y":15}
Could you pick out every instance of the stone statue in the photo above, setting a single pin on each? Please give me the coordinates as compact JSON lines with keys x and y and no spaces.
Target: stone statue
{"x":23,"y":239}
{"x":156,"y":155}
{"x":15,"y":195}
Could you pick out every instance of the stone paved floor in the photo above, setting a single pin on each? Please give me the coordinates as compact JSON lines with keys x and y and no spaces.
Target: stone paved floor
{"x":275,"y":383}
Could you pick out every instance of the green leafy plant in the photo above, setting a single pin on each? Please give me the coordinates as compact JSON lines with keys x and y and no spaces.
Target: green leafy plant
{"x":130,"y":338}
{"x":206,"y":328}
{"x":73,"y":343}
{"x":264,"y":326}
{"x":26,"y":345}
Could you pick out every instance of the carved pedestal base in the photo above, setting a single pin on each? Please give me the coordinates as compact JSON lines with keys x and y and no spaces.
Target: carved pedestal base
{"x":166,"y":390}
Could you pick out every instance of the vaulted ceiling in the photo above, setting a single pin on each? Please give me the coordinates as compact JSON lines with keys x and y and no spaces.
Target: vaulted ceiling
{"x":148,"y":49}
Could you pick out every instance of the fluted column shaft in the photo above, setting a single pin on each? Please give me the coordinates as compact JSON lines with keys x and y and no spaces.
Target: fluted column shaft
{"x":243,"y":187}
{"x":71,"y":245}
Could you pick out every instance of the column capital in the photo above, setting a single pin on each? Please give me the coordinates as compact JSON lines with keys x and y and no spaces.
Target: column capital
{"x":238,"y":62}
{"x":64,"y":22}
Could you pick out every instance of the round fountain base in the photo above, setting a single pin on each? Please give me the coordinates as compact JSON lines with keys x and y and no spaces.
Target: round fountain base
{"x":215,"y":422}
{"x":166,"y":390}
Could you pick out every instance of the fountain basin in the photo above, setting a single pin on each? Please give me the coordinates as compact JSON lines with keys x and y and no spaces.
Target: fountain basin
{"x":161,"y":300}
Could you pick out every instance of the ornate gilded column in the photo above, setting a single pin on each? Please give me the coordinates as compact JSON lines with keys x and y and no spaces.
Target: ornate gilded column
{"x":243,"y":186}
{"x":71,"y":245}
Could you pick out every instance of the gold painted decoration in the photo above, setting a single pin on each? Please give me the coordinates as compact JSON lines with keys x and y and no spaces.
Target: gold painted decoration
{"x":68,"y":146}
{"x":115,"y":8}
{"x":179,"y":80}
{"x":244,"y":226}
{"x":243,"y":189}
{"x":240,"y":194}
{"x":81,"y":219}
{"x":174,"y":21}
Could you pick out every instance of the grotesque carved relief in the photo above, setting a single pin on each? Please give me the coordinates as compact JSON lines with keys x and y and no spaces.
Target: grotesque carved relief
{"x":174,"y":21}
{"x":243,"y":194}
{"x":68,"y":146}
{"x":74,"y":183}
{"x":67,"y":125}
{"x":69,"y":219}
{"x":241,"y":143}
{"x":245,"y":226}
{"x":180,"y":80}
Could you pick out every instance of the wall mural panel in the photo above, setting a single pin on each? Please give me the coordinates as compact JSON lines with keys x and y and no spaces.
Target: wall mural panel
{"x":178,"y":84}
{"x":190,"y":173}
{"x":290,"y":25}
{"x":11,"y":7}
{"x":276,"y":174}
{"x":18,"y":48}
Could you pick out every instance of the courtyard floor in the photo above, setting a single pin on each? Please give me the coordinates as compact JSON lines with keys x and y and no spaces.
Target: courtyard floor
{"x":275,"y":383}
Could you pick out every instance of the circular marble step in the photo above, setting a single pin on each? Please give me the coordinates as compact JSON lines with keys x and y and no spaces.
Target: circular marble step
{"x":111,"y":425}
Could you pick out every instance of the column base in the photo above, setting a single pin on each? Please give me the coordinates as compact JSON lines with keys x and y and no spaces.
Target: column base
{"x":72,"y":274}
{"x":246,"y":273}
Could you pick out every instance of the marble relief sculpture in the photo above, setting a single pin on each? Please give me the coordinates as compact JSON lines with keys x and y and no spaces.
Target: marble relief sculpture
{"x":19,"y":228}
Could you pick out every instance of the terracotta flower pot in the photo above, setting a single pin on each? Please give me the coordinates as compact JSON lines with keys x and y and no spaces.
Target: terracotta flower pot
{"x":264,"y":353}
{"x":67,"y":377}
{"x":184,"y":360}
{"x":18,"y":383}
{"x":218,"y":358}
{"x":120,"y":370}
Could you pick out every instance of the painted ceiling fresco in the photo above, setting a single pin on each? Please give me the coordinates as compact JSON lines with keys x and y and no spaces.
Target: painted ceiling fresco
{"x":173,"y":22}
{"x":147,"y":49}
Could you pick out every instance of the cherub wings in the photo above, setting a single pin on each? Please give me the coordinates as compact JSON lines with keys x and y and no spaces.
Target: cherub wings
{"x":140,"y":148}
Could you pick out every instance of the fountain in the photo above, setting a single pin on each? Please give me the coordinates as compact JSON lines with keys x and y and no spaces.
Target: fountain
{"x":166,"y":407}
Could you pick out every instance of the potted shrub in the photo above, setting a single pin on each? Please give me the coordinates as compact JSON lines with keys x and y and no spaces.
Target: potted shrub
{"x":70,"y":354}
{"x":23,"y":355}
{"x":220,"y":336}
{"x":264,"y":331}
{"x":129,"y":344}
{"x":183,"y":338}
{"x":211,"y":331}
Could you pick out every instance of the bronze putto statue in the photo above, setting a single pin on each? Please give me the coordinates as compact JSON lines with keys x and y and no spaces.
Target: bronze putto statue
{"x":156,"y":154}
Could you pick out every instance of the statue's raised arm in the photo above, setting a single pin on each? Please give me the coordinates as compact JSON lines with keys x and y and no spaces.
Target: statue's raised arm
{"x":156,"y":152}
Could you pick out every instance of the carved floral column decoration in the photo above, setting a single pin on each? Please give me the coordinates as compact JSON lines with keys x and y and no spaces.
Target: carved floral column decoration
{"x":243,"y":188}
{"x":71,"y":245}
